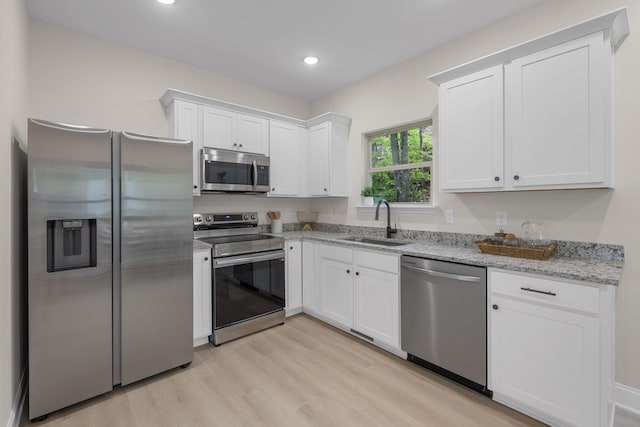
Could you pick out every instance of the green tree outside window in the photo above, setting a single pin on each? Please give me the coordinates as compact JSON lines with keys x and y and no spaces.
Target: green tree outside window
{"x":400,"y":164}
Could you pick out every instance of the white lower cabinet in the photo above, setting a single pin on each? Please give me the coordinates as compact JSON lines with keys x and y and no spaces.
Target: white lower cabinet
{"x":201,"y":296}
{"x":550,"y":352}
{"x":309,"y":293}
{"x":335,"y":283}
{"x":376,"y":296}
{"x":357,"y":290}
{"x":293,"y":299}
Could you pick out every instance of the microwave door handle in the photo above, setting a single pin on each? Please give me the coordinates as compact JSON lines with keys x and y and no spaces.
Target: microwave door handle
{"x":255,"y":173}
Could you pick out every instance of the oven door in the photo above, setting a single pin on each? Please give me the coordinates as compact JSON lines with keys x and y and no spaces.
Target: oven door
{"x":234,"y":171}
{"x":247,"y":286}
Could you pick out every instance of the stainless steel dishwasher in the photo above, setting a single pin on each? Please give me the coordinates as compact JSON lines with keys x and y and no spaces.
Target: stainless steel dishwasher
{"x":444,"y":319}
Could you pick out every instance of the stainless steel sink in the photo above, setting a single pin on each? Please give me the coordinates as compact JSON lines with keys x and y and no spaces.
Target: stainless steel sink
{"x":369,"y":240}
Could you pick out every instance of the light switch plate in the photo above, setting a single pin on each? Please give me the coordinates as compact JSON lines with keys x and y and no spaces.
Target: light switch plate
{"x":448,"y":216}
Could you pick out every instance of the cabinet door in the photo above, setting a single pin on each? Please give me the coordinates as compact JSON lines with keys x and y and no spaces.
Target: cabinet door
{"x":336,"y":287}
{"x":201,"y":296}
{"x":545,"y":359}
{"x":319,"y":149}
{"x":556,"y":115}
{"x":309,"y":293}
{"x":285,"y":149}
{"x":294,"y":277}
{"x":376,"y":305}
{"x":252,"y":134}
{"x":187,"y":122}
{"x":471,"y":131}
{"x":219,"y":128}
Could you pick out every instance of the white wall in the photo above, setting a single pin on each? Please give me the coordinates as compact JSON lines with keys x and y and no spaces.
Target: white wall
{"x":78,"y":79}
{"x":402,"y":94}
{"x":75,"y":78}
{"x":13,"y":90}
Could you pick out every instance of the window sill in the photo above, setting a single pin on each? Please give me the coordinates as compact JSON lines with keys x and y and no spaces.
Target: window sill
{"x":403,"y":209}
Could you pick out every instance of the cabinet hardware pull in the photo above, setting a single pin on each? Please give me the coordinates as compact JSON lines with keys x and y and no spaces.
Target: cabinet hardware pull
{"x":539,"y":292}
{"x":497,"y":178}
{"x":206,"y":258}
{"x":195,"y":186}
{"x":357,"y":273}
{"x":291,"y":247}
{"x":240,"y":145}
{"x":348,"y":271}
{"x":273,"y":189}
{"x":325,"y":189}
{"x":495,"y":306}
{"x":516,"y":177}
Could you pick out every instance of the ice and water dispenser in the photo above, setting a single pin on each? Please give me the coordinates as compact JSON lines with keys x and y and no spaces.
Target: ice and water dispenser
{"x":71,"y":244}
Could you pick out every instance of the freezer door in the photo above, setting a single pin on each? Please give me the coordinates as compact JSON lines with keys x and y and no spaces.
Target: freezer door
{"x":69,"y":290}
{"x":156,"y":255}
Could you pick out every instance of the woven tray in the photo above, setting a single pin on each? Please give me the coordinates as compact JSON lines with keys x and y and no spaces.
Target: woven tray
{"x":487,"y":246}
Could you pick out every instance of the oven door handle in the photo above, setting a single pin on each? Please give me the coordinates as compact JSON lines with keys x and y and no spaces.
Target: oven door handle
{"x":246,"y":259}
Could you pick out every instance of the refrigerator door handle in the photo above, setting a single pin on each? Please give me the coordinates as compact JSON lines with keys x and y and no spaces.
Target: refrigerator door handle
{"x":69,"y":128}
{"x":139,"y":137}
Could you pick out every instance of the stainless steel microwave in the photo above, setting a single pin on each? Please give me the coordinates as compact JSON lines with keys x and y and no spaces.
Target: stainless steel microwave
{"x":234,"y":171}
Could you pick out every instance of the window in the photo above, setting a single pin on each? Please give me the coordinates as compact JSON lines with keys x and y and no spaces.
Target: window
{"x":399,"y":163}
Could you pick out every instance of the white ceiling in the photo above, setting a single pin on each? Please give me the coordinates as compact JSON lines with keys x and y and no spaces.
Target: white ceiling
{"x":264,"y":41}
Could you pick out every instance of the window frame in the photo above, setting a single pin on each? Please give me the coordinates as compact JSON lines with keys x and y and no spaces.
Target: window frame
{"x":368,"y":169}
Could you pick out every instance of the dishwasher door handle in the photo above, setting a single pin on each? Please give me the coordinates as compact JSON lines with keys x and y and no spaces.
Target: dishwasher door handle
{"x":445,"y":275}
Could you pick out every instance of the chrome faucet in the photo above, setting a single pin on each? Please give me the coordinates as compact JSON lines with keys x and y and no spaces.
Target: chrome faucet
{"x":390,"y":230}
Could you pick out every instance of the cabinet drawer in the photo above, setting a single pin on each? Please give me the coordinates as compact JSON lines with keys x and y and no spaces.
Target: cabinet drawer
{"x":337,"y":253}
{"x":553,"y":292}
{"x":378,"y":261}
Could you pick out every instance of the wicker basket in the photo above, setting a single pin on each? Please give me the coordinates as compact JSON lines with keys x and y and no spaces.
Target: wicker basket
{"x":488,"y":246}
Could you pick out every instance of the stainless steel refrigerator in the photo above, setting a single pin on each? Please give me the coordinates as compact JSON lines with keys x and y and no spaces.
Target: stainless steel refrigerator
{"x":110,"y":260}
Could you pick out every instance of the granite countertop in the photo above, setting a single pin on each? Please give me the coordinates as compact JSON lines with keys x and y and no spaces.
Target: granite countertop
{"x":199,"y":244}
{"x":607,"y":272}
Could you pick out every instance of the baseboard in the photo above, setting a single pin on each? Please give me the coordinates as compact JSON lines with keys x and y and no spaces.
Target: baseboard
{"x":627,"y":396}
{"x":18,"y":402}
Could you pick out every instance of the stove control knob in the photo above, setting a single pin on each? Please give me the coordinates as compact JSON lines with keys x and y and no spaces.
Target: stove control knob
{"x":246,"y":217}
{"x":197,"y":219}
{"x":253,"y":217}
{"x":209,"y":218}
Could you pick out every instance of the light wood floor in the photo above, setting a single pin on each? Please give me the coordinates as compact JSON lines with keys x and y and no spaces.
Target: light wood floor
{"x":303,"y":373}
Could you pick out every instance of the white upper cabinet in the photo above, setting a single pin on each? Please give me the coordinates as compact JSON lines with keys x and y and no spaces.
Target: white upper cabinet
{"x":328,"y":158}
{"x":533,"y":117}
{"x":557,"y":122}
{"x":471,"y":131}
{"x":185,"y":123}
{"x":233,"y":131}
{"x":288,"y":151}
{"x":319,"y":167}
{"x":296,"y":170}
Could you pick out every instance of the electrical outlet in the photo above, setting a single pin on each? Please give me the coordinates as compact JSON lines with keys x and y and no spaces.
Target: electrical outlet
{"x":448,"y":216}
{"x":501,"y":219}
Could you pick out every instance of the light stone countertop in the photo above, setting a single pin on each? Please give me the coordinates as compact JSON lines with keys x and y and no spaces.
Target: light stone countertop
{"x":199,"y":244}
{"x":581,"y":269}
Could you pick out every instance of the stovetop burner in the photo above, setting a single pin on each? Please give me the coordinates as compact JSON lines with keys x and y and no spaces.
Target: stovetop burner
{"x":222,"y":231}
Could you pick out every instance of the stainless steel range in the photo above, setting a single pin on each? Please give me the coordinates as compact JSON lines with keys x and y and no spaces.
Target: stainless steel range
{"x":248,"y":276}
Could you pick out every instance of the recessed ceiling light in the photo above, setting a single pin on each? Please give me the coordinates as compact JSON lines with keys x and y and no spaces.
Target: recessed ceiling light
{"x":167,"y":1}
{"x":310,"y":60}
